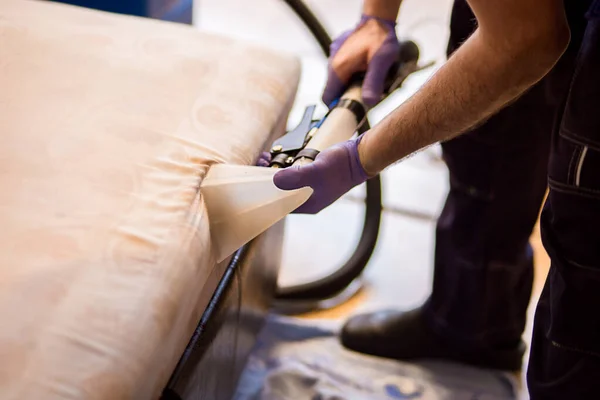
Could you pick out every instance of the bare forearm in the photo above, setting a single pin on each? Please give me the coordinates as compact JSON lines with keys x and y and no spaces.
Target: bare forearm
{"x":481,"y":78}
{"x":386,"y":9}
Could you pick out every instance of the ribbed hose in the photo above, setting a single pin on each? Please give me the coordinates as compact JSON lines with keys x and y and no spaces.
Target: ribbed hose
{"x":338,"y":281}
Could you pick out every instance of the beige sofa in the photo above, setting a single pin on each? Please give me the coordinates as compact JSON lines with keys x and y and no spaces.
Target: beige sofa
{"x":108,"y":124}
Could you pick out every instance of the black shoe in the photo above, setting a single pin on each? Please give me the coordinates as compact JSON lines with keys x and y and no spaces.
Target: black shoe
{"x":406,"y":336}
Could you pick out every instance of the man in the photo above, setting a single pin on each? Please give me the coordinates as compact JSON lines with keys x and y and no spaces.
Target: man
{"x":516,"y":106}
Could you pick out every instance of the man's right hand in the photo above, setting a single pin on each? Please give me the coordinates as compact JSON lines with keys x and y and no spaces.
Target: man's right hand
{"x":371,"y":47}
{"x":333,"y":173}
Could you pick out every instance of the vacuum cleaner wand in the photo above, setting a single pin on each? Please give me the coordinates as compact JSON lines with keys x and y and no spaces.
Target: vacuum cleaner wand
{"x":302,"y":144}
{"x":345,"y":117}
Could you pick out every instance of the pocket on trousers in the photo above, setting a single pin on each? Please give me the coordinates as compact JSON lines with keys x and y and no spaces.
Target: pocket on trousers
{"x":574,"y":168}
{"x":575,"y":160}
{"x":581,"y":118}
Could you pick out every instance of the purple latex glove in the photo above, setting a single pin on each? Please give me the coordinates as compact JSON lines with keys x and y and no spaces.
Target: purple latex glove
{"x":334,"y":172}
{"x":264,"y":159}
{"x":361,"y":50}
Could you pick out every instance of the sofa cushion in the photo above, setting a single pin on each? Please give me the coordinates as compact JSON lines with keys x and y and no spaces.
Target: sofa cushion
{"x":108,"y":124}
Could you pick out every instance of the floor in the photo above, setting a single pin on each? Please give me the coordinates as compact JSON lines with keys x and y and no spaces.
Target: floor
{"x":400,"y":271}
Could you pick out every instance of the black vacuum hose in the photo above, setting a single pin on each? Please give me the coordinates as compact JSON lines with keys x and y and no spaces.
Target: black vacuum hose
{"x":312,"y":23}
{"x":335,"y":283}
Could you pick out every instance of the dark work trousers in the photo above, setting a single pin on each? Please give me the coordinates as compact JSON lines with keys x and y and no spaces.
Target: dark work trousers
{"x":499,"y":173}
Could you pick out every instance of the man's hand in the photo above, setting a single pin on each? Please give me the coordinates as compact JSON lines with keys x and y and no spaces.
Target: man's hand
{"x":371,"y":47}
{"x":516,"y":44}
{"x":334,"y":172}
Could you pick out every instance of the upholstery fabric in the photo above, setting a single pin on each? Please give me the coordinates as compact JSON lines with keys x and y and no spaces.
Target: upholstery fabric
{"x":108,"y":124}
